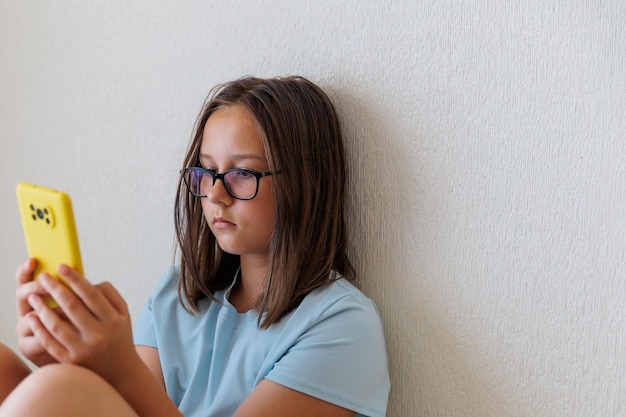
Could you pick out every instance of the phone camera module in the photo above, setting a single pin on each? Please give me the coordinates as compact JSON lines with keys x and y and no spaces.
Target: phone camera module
{"x":42,"y":215}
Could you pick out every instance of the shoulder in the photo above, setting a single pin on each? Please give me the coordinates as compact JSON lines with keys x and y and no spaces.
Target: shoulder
{"x":339,"y":296}
{"x":338,"y":310}
{"x":167,"y":284}
{"x":333,"y":348}
{"x":165,"y":295}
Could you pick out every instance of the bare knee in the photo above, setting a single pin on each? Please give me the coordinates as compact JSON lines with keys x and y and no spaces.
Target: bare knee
{"x":12,"y":369}
{"x":44,"y":389}
{"x":65,"y":390}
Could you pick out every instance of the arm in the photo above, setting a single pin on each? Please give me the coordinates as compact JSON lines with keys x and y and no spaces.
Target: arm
{"x":271,"y":399}
{"x":150,"y":357}
{"x":99,"y":338}
{"x":336,"y":356}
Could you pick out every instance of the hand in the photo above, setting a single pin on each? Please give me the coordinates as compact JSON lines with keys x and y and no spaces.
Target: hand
{"x":27,"y":342}
{"x":98,"y":334}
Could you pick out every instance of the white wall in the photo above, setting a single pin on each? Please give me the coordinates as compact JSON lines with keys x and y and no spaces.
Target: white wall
{"x":487,"y":160}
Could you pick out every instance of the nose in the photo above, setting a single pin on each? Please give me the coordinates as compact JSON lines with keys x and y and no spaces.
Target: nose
{"x":217,"y":194}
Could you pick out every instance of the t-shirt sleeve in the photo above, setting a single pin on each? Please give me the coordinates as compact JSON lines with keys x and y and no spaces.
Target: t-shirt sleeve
{"x":341,"y":358}
{"x":144,"y":329}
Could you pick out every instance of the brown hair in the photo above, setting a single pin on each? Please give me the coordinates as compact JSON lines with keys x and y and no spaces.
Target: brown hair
{"x":302,"y":139}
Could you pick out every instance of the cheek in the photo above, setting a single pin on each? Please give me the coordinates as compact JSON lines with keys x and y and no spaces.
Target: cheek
{"x":266,"y":217}
{"x":207,"y":211}
{"x":269,"y":221}
{"x":205,"y":207}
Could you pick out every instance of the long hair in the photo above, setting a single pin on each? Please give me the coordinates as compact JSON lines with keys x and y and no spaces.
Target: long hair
{"x":302,"y":139}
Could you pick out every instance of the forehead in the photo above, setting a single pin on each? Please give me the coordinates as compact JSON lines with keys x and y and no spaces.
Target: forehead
{"x":231,"y":132}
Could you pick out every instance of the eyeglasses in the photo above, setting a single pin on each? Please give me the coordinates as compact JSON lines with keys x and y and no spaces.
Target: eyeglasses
{"x":242,"y":184}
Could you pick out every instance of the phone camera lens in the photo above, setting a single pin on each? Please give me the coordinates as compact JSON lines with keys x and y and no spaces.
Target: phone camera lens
{"x":40,"y":213}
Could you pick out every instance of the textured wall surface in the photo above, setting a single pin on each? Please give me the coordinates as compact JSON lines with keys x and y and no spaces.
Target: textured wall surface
{"x":486,"y":144}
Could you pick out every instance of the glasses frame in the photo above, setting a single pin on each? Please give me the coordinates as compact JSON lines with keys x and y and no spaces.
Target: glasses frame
{"x":220,"y":176}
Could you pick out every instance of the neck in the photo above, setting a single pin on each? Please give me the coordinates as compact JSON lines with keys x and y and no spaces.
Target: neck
{"x":251,"y":283}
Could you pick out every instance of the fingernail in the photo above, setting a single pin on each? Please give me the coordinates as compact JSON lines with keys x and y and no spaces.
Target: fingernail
{"x":45,"y":278}
{"x":33,"y":300}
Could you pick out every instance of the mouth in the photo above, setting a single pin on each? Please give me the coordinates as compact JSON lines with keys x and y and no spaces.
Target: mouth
{"x":220,"y":223}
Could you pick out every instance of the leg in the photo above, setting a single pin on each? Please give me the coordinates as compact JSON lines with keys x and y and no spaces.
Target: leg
{"x":65,"y":390}
{"x":13,"y":371}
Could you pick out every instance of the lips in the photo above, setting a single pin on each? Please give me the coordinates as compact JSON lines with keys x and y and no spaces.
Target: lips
{"x":220,"y":222}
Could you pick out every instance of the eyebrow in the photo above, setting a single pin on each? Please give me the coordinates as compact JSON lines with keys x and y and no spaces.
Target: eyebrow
{"x":237,"y":157}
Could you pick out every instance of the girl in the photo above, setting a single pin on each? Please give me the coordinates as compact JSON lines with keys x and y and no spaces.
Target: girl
{"x":257,"y":319}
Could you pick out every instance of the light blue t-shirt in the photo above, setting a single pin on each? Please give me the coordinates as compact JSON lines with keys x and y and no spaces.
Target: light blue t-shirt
{"x":330,"y":347}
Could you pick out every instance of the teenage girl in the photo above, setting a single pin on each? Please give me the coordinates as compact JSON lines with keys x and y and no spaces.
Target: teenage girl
{"x":258,"y":318}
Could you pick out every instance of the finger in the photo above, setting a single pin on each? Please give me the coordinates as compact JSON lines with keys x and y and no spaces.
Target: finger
{"x":92,"y":298}
{"x":23,"y":329}
{"x":114,"y":297}
{"x":73,"y":307}
{"x":27,"y":342}
{"x":25,"y":271}
{"x":47,"y":334}
{"x":22,"y":293}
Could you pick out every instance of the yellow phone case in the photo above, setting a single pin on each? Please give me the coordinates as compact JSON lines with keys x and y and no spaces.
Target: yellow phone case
{"x":49,"y":229}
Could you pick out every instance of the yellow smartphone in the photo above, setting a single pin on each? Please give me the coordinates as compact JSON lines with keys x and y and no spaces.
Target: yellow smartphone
{"x":49,"y":230}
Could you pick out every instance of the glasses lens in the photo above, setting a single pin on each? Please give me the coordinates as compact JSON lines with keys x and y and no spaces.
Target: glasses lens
{"x":193,"y":180}
{"x":241,"y":183}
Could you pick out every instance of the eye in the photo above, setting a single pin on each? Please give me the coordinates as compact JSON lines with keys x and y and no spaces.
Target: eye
{"x":243,"y":174}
